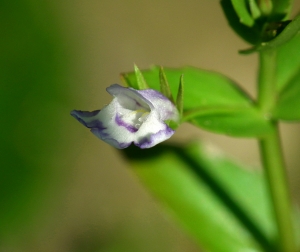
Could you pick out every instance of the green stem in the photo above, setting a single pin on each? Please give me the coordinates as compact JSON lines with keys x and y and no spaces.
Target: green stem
{"x":267,"y":87}
{"x":272,"y":157}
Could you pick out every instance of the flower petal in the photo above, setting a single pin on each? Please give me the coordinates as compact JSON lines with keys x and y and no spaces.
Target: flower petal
{"x":152,"y":132}
{"x":102,"y":124}
{"x":146,"y":98}
{"x":161,"y":104}
{"x":129,"y":98}
{"x":133,"y":116}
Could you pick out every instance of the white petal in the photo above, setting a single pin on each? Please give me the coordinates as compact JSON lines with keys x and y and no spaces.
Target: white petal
{"x":161,"y":104}
{"x":152,"y":132}
{"x":133,"y":116}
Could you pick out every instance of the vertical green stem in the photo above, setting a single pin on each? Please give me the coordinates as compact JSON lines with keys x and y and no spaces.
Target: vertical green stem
{"x":272,"y":157}
{"x":266,"y":82}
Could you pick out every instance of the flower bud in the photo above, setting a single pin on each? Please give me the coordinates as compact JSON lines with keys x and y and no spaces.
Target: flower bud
{"x":133,"y":116}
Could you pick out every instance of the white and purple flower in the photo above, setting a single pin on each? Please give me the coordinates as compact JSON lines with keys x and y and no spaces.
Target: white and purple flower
{"x":133,"y":116}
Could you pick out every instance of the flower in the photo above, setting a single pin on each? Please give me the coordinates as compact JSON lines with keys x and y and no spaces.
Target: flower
{"x":133,"y":116}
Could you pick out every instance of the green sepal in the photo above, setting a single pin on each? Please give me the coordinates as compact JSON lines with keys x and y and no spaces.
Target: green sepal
{"x":249,"y":34}
{"x":140,"y":80}
{"x":172,"y":124}
{"x":266,"y":7}
{"x":179,"y":99}
{"x":164,"y":85}
{"x":253,"y":20}
{"x":241,"y":9}
{"x":220,"y":105}
{"x":254,"y":9}
{"x":289,"y":30}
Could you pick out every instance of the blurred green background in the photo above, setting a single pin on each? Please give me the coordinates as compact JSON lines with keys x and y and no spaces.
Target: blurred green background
{"x":61,"y":189}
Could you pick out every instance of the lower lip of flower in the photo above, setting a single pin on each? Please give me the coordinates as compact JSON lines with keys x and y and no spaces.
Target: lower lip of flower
{"x":133,"y":120}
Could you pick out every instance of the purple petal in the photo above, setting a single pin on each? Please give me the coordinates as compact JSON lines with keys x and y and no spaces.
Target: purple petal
{"x":115,"y":124}
{"x":84,"y":116}
{"x":151,"y":94}
{"x":121,"y":123}
{"x":129,"y":94}
{"x":151,"y":140}
{"x":108,"y":139}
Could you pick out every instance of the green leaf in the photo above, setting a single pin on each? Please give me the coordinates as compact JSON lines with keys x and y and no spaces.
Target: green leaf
{"x":164,"y":85}
{"x":288,"y":80}
{"x":232,"y":121}
{"x":222,"y":205}
{"x":211,"y":101}
{"x":288,"y":62}
{"x":281,"y":8}
{"x":249,"y":34}
{"x":241,"y":9}
{"x":288,"y":104}
{"x":285,"y":36}
{"x":140,"y":81}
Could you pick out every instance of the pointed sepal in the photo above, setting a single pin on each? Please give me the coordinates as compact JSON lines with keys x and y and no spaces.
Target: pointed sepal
{"x":254,"y":9}
{"x":266,"y":7}
{"x":164,"y":85}
{"x":141,"y":82}
{"x":179,"y":99}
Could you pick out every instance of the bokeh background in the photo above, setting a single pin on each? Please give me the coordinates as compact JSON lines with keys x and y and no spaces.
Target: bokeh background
{"x":62,"y":189}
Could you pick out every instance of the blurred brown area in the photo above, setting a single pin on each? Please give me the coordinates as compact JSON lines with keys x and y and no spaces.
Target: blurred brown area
{"x":86,"y":198}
